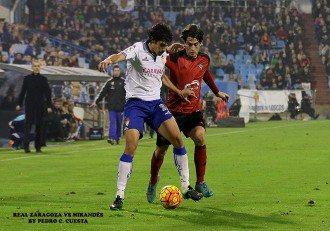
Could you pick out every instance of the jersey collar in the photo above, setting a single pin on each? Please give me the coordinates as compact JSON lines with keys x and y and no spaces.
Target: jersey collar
{"x":146,"y":47}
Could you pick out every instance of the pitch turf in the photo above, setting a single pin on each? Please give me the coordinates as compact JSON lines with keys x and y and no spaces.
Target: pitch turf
{"x":266,"y":176}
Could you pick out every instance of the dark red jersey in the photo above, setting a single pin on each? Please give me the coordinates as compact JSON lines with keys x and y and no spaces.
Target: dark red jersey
{"x":188,"y":73}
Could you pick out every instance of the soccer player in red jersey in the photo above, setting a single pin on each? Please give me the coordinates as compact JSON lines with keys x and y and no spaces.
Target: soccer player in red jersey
{"x":188,"y":68}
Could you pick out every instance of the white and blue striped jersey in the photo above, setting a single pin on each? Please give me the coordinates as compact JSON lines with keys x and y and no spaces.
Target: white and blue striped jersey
{"x":144,"y":72}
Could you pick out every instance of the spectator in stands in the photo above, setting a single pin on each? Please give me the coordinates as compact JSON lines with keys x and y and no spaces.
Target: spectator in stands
{"x":114,"y":92}
{"x":305,"y":61}
{"x":69,"y":123}
{"x":55,"y":123}
{"x":230,"y":67}
{"x":4,"y":59}
{"x":265,"y":41}
{"x":281,"y":33}
{"x":94,"y":62}
{"x":180,"y":19}
{"x":240,"y":81}
{"x":283,"y":56}
{"x":217,"y":61}
{"x":305,"y":75}
{"x":264,"y":84}
{"x":257,"y":57}
{"x":189,"y":13}
{"x":296,"y":74}
{"x":287,"y":78}
{"x":280,"y":82}
{"x":76,"y":88}
{"x":18,"y":59}
{"x":231,"y":77}
{"x":279,"y":68}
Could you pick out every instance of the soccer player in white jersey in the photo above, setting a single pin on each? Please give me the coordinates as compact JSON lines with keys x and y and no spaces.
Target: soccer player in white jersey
{"x":144,"y":78}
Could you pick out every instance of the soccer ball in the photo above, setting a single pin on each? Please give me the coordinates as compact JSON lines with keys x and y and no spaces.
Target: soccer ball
{"x":170,"y":197}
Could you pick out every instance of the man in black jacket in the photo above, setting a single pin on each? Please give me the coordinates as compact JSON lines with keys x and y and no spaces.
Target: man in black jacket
{"x":36,"y":92}
{"x":114,"y":92}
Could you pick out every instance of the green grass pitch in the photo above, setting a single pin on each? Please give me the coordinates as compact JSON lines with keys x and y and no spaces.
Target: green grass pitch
{"x":266,"y":176}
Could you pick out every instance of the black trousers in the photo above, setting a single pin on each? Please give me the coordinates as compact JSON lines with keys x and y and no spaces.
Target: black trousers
{"x":27,"y":130}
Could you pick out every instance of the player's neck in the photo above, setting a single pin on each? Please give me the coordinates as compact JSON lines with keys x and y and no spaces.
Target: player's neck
{"x":151,"y":48}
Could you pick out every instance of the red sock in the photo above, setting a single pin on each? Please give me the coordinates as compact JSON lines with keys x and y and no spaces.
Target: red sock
{"x":200,"y":162}
{"x":155,"y":167}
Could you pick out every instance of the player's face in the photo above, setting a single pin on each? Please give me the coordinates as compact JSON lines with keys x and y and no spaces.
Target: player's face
{"x":192,"y":47}
{"x":159,"y":47}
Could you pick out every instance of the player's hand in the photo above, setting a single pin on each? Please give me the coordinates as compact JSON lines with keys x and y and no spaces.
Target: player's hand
{"x":93,"y":106}
{"x":186,"y":93}
{"x":224,"y":96}
{"x":175,"y":47}
{"x":103,"y":65}
{"x":49,"y":110}
{"x":18,"y":108}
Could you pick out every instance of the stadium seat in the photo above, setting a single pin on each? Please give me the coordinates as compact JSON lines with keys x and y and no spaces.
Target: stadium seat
{"x":273,"y":40}
{"x":230,"y":57}
{"x":251,"y":67}
{"x":244,"y":73}
{"x":251,"y":80}
{"x":219,"y":72}
{"x":240,"y":39}
{"x":260,"y":66}
{"x":280,"y":44}
{"x":247,"y":59}
{"x":239,"y":58}
{"x":228,"y":20}
{"x":225,"y":77}
{"x":241,"y":52}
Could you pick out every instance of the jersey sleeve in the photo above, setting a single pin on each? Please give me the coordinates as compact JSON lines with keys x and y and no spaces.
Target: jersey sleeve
{"x":130,"y":52}
{"x":210,"y":82}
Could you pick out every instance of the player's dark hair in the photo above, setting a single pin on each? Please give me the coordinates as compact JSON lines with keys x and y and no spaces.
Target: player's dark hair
{"x":194,"y":31}
{"x":115,"y":66}
{"x":160,"y":32}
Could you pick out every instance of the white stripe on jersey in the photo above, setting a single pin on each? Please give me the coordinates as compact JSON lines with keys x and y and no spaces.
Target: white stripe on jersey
{"x":144,"y":72}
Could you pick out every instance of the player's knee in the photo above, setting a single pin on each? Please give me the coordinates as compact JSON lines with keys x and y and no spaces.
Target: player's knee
{"x":130,"y":149}
{"x":199,"y":139}
{"x":177,"y":141}
{"x":161,"y":151}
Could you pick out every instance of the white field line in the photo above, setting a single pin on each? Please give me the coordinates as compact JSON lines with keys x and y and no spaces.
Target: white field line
{"x":151,"y":141}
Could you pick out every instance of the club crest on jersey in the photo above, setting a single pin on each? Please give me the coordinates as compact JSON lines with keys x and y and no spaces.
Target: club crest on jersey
{"x":200,"y":66}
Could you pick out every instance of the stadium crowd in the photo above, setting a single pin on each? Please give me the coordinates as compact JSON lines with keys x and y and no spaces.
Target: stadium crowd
{"x":321,"y":16}
{"x":256,"y":46}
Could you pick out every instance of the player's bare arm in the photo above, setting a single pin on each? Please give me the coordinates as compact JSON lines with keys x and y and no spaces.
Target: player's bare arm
{"x":175,"y":47}
{"x":115,"y":58}
{"x":184,"y":94}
